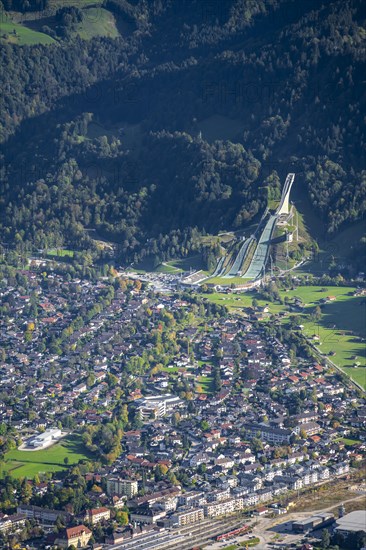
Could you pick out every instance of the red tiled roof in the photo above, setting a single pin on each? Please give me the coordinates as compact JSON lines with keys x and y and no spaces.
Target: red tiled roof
{"x":96,"y":511}
{"x":72,"y":532}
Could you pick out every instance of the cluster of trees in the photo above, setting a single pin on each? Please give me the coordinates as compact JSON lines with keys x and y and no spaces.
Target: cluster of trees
{"x":104,"y":441}
{"x":68,"y":18}
{"x":344,"y":190}
{"x":24,"y":5}
{"x":36,"y":77}
{"x":8,"y":438}
{"x":352,"y":541}
{"x":210,"y":254}
{"x":135,"y":14}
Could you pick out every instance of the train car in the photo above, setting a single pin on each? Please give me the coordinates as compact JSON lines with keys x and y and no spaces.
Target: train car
{"x":231,"y":534}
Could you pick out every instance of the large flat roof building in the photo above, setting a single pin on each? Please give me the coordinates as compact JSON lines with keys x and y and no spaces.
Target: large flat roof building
{"x":352,"y":522}
{"x":156,"y":406}
{"x":42,"y":439}
{"x":317,"y":521}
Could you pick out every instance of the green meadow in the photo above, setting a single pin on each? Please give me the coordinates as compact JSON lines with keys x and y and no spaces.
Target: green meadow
{"x":97,"y":22}
{"x":238,"y":301}
{"x":60,"y":252}
{"x":30,"y":463}
{"x":15,"y":33}
{"x":206,"y":383}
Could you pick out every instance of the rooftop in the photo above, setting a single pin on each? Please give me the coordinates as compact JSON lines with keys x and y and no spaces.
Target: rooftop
{"x":355,"y":521}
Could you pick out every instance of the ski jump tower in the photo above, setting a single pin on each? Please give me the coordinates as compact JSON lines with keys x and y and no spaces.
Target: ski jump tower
{"x":284,"y":204}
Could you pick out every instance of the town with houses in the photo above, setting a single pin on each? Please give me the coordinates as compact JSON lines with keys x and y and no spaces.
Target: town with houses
{"x":190,"y":418}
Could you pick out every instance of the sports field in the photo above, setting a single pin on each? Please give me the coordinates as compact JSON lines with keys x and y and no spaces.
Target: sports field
{"x":29,"y":463}
{"x":238,"y":301}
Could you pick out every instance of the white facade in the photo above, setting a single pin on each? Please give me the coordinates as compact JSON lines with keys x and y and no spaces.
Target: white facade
{"x":46,"y":437}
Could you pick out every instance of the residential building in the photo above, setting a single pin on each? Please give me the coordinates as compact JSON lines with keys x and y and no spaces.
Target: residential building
{"x":185,"y":517}
{"x":121,"y":487}
{"x":95,"y":515}
{"x":78,"y":536}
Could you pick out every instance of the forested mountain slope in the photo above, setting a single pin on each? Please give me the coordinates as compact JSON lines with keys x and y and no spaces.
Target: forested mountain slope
{"x":174,"y":127}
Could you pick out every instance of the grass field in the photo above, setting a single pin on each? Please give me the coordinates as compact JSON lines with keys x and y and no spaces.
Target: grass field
{"x":244,"y":544}
{"x":60,"y":252}
{"x":15,"y":33}
{"x":166,"y":267}
{"x":340,"y":330}
{"x":348,"y":349}
{"x":97,"y":22}
{"x":242,"y":300}
{"x":29,"y":463}
{"x":324,"y":497}
{"x":352,"y":309}
{"x":171,"y":370}
{"x":206,"y":383}
{"x":78,"y":3}
{"x":173,"y":266}
{"x":185,"y":264}
{"x":348,"y":441}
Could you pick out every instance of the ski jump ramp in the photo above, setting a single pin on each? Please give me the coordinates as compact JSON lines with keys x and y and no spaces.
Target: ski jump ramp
{"x":259,"y":260}
{"x":285,"y":203}
{"x":260,"y":257}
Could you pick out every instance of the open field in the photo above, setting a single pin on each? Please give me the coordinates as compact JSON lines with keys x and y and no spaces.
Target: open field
{"x":27,"y":28}
{"x":191,"y":262}
{"x":172,"y":266}
{"x":25,"y":464}
{"x":166,"y":267}
{"x":171,"y":370}
{"x":97,"y":22}
{"x":206,"y":383}
{"x":78,"y":3}
{"x":348,"y":441}
{"x":60,"y":252}
{"x":325,"y":497}
{"x":235,"y":301}
{"x":15,"y":33}
{"x":343,"y":349}
{"x":340,"y":330}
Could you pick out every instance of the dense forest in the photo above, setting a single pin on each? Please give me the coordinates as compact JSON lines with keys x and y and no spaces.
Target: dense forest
{"x":25,"y":5}
{"x":173,"y":129}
